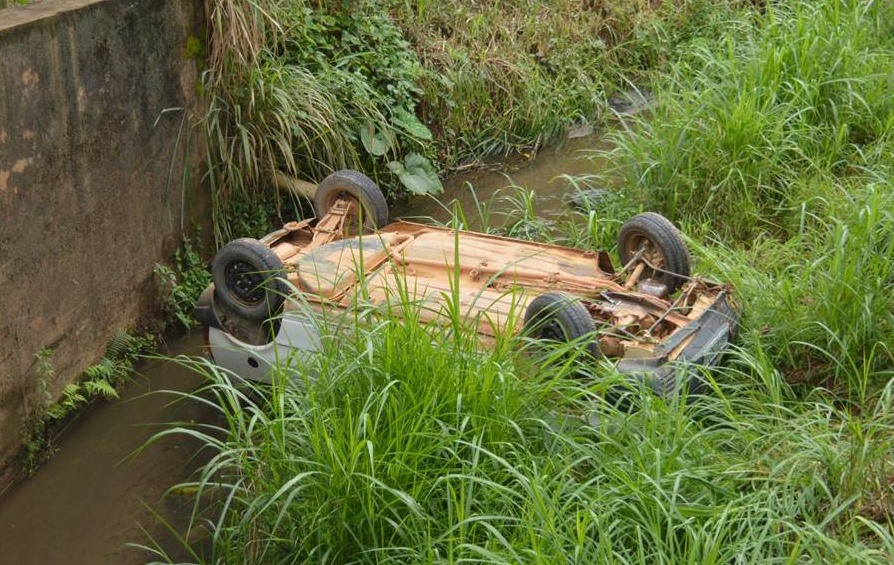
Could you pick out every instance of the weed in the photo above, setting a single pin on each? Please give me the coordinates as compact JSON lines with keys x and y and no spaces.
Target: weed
{"x":101,"y":380}
{"x":319,"y":90}
{"x":307,"y":88}
{"x":404,"y":442}
{"x":182,"y":284}
{"x":748,"y":124}
{"x":769,"y":141}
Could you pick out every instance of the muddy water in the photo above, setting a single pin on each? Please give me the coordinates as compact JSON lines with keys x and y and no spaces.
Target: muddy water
{"x":92,"y":497}
{"x":490,"y":186}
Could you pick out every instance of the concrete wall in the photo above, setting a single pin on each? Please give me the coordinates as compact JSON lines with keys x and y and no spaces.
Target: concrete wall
{"x":90,"y":179}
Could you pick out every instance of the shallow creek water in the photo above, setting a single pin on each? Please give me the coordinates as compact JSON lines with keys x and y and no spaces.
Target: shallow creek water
{"x":94,"y":496}
{"x":492,"y":185}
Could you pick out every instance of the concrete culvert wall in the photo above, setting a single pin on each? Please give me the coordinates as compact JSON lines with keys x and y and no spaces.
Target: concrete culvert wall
{"x":92,"y":156}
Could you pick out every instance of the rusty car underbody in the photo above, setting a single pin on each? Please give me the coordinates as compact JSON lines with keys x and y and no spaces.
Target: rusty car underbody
{"x":646,"y":325}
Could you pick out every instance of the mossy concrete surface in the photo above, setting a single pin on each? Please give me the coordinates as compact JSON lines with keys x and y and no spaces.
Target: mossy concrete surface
{"x":92,"y":155}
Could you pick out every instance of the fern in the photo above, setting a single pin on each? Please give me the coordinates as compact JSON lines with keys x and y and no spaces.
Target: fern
{"x":119,"y":345}
{"x":99,"y":387}
{"x":104,"y":370}
{"x":71,"y":400}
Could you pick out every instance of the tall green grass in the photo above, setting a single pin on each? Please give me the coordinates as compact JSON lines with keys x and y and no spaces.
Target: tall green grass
{"x":820,"y":303}
{"x":307,"y":88}
{"x":750,"y":127}
{"x":405,"y":444}
{"x":281,"y":97}
{"x":776,"y":142}
{"x":516,"y":74}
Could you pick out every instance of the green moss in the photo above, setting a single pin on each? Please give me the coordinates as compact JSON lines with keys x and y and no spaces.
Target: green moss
{"x":193,"y":49}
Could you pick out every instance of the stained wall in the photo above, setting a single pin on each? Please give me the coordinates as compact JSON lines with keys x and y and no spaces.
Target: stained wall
{"x":93,"y":153}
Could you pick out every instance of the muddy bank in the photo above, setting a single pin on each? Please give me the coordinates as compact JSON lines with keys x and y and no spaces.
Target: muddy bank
{"x":94,"y":496}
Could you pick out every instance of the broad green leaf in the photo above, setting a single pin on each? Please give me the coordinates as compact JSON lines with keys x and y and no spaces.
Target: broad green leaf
{"x":408,"y":122}
{"x":375,"y":142}
{"x":417,"y":174}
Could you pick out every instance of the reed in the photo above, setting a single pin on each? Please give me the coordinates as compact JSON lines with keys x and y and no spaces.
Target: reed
{"x":753,"y":125}
{"x":406,"y":443}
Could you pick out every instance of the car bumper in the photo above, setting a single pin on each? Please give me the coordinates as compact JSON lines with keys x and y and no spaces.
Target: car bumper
{"x":708,"y":338}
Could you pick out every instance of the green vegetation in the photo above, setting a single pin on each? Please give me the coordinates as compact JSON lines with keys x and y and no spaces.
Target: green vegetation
{"x":306,"y":89}
{"x":516,"y":74}
{"x":412,"y":87}
{"x":101,"y":380}
{"x":406,"y":444}
{"x":181,"y":284}
{"x":772,"y":122}
{"x":777,"y":142}
{"x":772,"y":145}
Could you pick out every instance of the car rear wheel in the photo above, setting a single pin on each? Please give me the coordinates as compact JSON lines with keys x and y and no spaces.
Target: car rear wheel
{"x":560,"y":317}
{"x":357,"y":187}
{"x":249,"y":278}
{"x":659,"y":245}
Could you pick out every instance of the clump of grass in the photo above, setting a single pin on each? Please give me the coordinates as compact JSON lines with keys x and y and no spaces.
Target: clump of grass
{"x":776,"y":142}
{"x":306,"y":87}
{"x":408,"y":443}
{"x":802,"y":94}
{"x":821,"y":302}
{"x":182,"y":283}
{"x":516,"y":74}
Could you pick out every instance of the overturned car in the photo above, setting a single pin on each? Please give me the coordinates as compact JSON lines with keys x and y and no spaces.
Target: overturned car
{"x":650,"y":317}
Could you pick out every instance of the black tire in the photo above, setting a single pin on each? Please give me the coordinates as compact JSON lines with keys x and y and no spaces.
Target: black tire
{"x":249,"y":278}
{"x":560,"y":317}
{"x":359,"y":187}
{"x":662,"y":245}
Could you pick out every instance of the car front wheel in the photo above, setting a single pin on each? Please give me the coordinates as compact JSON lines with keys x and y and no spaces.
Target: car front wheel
{"x":657,"y":243}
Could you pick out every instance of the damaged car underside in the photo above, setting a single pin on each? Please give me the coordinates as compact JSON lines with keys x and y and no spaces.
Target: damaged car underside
{"x":650,"y":317}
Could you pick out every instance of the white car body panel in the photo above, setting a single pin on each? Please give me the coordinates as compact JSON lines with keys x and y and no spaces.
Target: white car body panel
{"x":297,"y":334}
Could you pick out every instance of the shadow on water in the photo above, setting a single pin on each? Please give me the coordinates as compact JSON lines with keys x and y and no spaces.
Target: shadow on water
{"x":92,"y":497}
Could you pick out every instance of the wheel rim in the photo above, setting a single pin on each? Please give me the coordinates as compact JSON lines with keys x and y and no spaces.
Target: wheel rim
{"x":551,"y":330}
{"x":650,"y":253}
{"x":244,"y":281}
{"x":352,"y":225}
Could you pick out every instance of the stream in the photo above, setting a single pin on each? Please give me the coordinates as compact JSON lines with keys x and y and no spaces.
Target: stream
{"x":94,"y":496}
{"x":490,"y":186}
